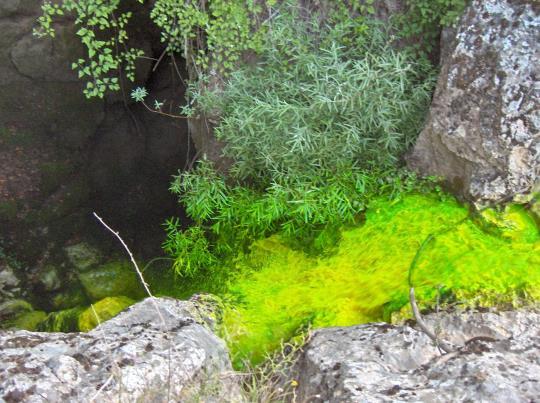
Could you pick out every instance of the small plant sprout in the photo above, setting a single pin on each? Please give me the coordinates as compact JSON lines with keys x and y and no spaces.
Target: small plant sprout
{"x":158,"y":105}
{"x":139,"y":94}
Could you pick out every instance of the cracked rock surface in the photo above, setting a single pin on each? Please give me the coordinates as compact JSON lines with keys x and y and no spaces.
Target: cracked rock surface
{"x":483,"y":131}
{"x":129,"y":358}
{"x":498,"y":361}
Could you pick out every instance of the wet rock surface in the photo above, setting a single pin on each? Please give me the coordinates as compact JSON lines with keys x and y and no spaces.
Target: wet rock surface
{"x":483,"y":130}
{"x":499,"y":361}
{"x":132,"y":357}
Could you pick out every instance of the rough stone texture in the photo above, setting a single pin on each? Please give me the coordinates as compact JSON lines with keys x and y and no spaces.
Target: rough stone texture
{"x":10,"y":285}
{"x":129,"y":358}
{"x":483,"y":132}
{"x":82,"y":256}
{"x":499,"y":362}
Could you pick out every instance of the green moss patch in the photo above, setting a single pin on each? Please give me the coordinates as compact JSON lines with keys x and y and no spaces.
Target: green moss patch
{"x":66,"y":320}
{"x":484,"y":261}
{"x":105,"y":309}
{"x":30,"y":321}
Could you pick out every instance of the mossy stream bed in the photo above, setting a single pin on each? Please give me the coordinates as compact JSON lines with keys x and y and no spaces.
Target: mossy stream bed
{"x":274,"y":291}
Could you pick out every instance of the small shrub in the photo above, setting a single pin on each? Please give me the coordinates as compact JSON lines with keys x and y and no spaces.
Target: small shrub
{"x":315,"y":129}
{"x":189,"y":248}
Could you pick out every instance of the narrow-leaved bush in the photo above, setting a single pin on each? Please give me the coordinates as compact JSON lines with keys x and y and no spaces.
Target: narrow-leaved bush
{"x":315,"y":129}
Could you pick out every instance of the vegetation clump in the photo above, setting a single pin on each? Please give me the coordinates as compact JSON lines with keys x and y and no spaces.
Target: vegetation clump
{"x":282,"y":290}
{"x":316,"y":222}
{"x":315,"y":129}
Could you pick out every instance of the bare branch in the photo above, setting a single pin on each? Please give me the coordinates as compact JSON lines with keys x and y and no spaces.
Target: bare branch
{"x":145,"y":285}
{"x":445,"y":346}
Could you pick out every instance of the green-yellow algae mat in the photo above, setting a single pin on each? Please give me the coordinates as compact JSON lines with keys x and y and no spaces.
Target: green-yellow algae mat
{"x":491,"y":258}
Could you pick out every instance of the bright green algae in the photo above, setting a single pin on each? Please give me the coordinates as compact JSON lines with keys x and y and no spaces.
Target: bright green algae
{"x":482,"y":261}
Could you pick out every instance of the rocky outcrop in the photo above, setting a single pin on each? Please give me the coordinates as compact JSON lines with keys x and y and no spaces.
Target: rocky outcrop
{"x":133,"y":357}
{"x":483,"y":129}
{"x":499,"y":361}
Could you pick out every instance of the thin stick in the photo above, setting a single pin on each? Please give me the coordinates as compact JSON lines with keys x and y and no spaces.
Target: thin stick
{"x":109,"y":379}
{"x":416,"y":312}
{"x":443,"y":345}
{"x":145,"y":285}
{"x":159,"y":60}
{"x":163,"y":113}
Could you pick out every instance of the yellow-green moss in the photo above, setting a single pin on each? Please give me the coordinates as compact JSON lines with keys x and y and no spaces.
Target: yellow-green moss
{"x":29,"y":320}
{"x":366,"y":279}
{"x":105,"y":309}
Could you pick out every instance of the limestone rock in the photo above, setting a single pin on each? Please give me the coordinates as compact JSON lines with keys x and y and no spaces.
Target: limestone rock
{"x":499,"y":361}
{"x":10,"y":285}
{"x":129,"y":358}
{"x":483,"y":132}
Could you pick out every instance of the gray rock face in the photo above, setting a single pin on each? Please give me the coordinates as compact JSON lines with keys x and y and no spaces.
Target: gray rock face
{"x":83,"y":256}
{"x":10,"y":285}
{"x":129,"y":358}
{"x":499,"y":361}
{"x":483,"y":132}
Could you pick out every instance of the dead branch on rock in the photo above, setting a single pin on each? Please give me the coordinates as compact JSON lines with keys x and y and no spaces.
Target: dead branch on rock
{"x":151,"y":296}
{"x":442,"y":344}
{"x":139,"y":273}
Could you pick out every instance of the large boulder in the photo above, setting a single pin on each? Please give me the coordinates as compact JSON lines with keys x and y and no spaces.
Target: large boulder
{"x":499,"y":361}
{"x":133,"y":357}
{"x":482,"y":132}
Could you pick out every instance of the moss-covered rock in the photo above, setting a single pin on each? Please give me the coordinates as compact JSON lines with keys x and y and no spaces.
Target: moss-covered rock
{"x":19,"y":314}
{"x":14,"y":307}
{"x":29,"y":320}
{"x":515,"y":222}
{"x":105,"y":310}
{"x":62,"y":321}
{"x":280,"y":290}
{"x":111,"y":279}
{"x":83,"y":256}
{"x":75,"y":296}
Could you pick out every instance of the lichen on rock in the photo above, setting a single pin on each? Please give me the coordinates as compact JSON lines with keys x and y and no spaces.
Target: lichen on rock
{"x":497,"y":361}
{"x":482,"y":132}
{"x":133,"y":357}
{"x":111,"y":279}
